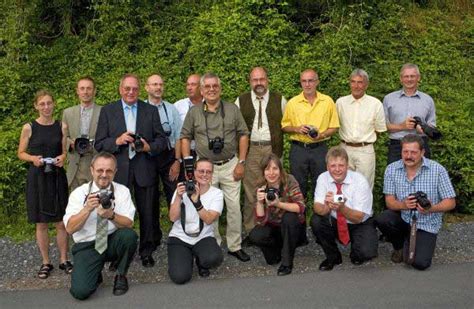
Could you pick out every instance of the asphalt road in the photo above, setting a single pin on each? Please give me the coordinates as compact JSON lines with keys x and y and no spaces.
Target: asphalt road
{"x":397,"y":286}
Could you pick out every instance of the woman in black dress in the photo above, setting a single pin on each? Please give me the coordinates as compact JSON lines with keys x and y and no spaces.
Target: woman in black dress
{"x":43,"y":145}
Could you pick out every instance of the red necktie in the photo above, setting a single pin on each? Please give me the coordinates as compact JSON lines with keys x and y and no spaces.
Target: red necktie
{"x":342,"y":228}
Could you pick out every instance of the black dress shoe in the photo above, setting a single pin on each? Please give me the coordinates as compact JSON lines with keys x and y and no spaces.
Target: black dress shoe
{"x":329,"y":265}
{"x":246,"y":242}
{"x":284,"y":270}
{"x":120,"y":285}
{"x":113,"y":266}
{"x":203,"y":272}
{"x":100,"y":279}
{"x":148,"y":261}
{"x":357,"y":262}
{"x":240,"y":254}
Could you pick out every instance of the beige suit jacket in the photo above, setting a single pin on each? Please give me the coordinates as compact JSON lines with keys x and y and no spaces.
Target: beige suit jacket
{"x":72,"y":117}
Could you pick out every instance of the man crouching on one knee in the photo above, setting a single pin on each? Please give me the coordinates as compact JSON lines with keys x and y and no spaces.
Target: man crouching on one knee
{"x":99,"y":216}
{"x":417,"y":193}
{"x":343,"y":211}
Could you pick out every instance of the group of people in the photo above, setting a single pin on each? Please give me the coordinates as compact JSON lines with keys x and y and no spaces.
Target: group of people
{"x":200,"y":149}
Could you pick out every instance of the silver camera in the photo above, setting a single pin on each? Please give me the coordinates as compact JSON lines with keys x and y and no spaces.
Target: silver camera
{"x":338,"y":198}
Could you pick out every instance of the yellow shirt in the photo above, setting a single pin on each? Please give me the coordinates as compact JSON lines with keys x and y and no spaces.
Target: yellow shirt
{"x":360,"y":119}
{"x":322,"y":115}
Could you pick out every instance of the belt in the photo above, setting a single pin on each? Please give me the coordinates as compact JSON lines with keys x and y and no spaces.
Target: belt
{"x":307,"y":145}
{"x":261,"y":143}
{"x":356,"y":144}
{"x":222,"y":162}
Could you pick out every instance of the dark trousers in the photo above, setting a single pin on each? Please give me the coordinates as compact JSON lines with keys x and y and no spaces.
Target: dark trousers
{"x":397,"y":231}
{"x":307,"y":164}
{"x":364,"y":243}
{"x":148,"y":208}
{"x":280,"y":242}
{"x":181,"y":255}
{"x":164,"y":162}
{"x":88,"y":263}
{"x":395,"y":150}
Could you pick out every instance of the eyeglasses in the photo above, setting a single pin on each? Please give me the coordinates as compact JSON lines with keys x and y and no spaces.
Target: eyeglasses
{"x":130,"y":89}
{"x":308,"y":81}
{"x":204,"y":172}
{"x":209,"y":87}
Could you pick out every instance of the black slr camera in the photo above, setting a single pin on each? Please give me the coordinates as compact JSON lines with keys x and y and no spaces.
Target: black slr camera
{"x":271,"y":193}
{"x":137,"y":142}
{"x":83,"y":144}
{"x":105,"y":198}
{"x":431,"y":132}
{"x":48,"y":164}
{"x":189,"y":184}
{"x":216,"y":144}
{"x":313,"y":132}
{"x":422,"y":199}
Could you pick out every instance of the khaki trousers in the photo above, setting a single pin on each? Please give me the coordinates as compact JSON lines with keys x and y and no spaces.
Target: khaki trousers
{"x":223,"y":179}
{"x":362,"y":160}
{"x":253,"y":173}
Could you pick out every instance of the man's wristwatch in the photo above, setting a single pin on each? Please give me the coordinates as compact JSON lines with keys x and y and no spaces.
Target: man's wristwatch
{"x":113,"y":217}
{"x":179,"y":160}
{"x":242,"y":162}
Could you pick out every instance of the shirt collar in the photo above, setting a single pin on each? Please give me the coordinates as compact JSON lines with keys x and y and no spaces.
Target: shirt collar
{"x":124,"y":105}
{"x":265,"y":96}
{"x":403,"y":94}
{"x":357,"y":100}
{"x":346,"y":181}
{"x":95,"y":188}
{"x":87,"y":108}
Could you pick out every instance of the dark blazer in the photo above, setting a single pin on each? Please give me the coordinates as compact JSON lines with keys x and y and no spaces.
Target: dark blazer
{"x":112,"y":125}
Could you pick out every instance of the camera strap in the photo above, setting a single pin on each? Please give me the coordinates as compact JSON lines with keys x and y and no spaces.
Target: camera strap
{"x":183,"y":222}
{"x":90,"y":189}
{"x":412,"y":248}
{"x":204,"y":110}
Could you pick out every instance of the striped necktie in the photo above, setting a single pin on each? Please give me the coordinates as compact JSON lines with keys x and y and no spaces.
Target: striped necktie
{"x":101,"y":234}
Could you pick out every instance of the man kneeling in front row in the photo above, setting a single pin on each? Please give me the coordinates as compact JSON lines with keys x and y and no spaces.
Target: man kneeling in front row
{"x":99,"y":216}
{"x":417,"y":193}
{"x":343,"y":210}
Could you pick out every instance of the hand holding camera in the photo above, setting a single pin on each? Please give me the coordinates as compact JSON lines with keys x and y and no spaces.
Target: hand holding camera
{"x":49,"y":164}
{"x":421,"y":201}
{"x":431,"y":132}
{"x":139,"y":143}
{"x":83,"y":145}
{"x":312,"y":132}
{"x":272,"y":196}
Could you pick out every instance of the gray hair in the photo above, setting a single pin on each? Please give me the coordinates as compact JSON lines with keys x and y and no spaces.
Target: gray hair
{"x":210,"y":75}
{"x":361,"y":73}
{"x":104,"y":155}
{"x":410,"y":66}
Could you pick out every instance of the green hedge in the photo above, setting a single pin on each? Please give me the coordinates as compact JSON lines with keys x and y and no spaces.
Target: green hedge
{"x":50,"y":44}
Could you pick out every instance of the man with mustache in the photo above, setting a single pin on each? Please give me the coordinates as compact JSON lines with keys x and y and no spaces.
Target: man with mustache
{"x":102,"y":232}
{"x":262,"y":110}
{"x":413,"y":174}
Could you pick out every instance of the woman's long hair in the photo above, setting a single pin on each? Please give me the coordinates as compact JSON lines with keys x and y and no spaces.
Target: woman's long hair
{"x":265,"y":163}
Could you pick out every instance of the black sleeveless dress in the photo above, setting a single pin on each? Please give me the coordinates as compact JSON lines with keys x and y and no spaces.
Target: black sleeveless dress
{"x":46,"y":192}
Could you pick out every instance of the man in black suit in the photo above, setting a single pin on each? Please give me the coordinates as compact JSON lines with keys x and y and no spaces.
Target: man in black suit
{"x":121,"y":125}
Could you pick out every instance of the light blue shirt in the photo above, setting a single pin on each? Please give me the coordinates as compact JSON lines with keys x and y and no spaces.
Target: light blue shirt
{"x":432,"y":178}
{"x":126,"y":110}
{"x":170,"y":120}
{"x":398,"y":106}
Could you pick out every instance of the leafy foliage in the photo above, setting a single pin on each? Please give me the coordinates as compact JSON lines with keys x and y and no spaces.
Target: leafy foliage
{"x":50,"y":44}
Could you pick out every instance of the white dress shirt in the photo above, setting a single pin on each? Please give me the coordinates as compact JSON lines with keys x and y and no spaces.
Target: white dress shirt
{"x":123,"y":206}
{"x":355,"y":189}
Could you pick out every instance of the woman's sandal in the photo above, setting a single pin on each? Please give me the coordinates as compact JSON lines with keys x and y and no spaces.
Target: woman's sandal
{"x":44,"y":271}
{"x":66,"y":266}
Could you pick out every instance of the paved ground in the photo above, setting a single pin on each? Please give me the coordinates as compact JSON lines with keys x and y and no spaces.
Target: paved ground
{"x":19,"y":262}
{"x":392,"y":286}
